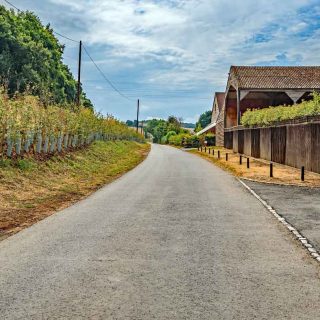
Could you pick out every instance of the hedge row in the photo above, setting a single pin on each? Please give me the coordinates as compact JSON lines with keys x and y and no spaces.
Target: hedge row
{"x":28,"y":125}
{"x":268,"y":116}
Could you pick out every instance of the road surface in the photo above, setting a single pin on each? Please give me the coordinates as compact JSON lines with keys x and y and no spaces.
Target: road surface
{"x":300,"y":206}
{"x":176,"y":238}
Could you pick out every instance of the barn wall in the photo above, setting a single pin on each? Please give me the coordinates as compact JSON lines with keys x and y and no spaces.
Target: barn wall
{"x":241,"y":141}
{"x":315,"y":147}
{"x":278,"y":144}
{"x":247,"y":142}
{"x":295,"y":145}
{"x":220,"y":134}
{"x":255,"y":143}
{"x":228,"y":140}
{"x":235,"y":141}
{"x":265,"y":143}
{"x":220,"y":129}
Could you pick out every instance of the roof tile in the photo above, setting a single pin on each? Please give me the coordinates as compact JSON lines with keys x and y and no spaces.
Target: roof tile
{"x":276,"y":77}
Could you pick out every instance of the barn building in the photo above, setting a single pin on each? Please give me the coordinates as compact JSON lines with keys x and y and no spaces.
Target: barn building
{"x":217,"y":118}
{"x":261,"y":87}
{"x":251,"y":87}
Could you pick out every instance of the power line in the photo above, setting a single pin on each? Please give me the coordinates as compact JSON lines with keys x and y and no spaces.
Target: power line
{"x":65,"y":37}
{"x":57,"y":33}
{"x":12,"y":5}
{"x":73,"y":40}
{"x":105,"y":77}
{"x":132,"y":90}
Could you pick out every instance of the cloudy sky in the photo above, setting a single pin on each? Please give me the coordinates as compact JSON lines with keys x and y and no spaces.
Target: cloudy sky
{"x":174,"y":54}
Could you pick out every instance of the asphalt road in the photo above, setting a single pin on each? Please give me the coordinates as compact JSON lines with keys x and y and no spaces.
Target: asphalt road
{"x":176,"y":238}
{"x":300,"y":206}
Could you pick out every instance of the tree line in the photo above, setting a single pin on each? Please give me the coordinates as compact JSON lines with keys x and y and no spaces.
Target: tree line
{"x":31,"y":60}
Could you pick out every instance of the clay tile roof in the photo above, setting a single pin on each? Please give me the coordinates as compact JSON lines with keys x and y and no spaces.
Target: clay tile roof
{"x":276,"y":77}
{"x":220,"y":99}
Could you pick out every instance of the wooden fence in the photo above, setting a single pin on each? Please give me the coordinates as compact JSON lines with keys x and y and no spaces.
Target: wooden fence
{"x":295,"y":145}
{"x":37,"y":143}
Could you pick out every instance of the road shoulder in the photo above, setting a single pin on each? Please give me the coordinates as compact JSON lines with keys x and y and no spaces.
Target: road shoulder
{"x":31,"y":190}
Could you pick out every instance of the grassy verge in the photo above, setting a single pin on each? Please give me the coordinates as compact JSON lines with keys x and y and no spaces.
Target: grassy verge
{"x":259,"y":170}
{"x":31,"y":190}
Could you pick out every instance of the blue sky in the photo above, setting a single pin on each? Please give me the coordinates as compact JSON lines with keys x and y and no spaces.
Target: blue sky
{"x":174,"y":55}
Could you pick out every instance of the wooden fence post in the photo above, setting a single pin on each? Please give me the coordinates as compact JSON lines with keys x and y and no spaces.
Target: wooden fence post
{"x":52,"y":143}
{"x":39,"y":143}
{"x":27,"y":142}
{"x":46,"y":145}
{"x":65,"y":141}
{"x":9,"y":146}
{"x":18,"y":145}
{"x":59,"y":146}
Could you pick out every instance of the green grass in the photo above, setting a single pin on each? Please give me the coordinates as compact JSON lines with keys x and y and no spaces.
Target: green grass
{"x":32,"y":189}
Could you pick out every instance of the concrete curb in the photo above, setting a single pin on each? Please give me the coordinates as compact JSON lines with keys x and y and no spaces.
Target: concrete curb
{"x":304,"y":241}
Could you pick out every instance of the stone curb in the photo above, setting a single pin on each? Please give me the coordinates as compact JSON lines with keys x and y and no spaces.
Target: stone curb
{"x":305,"y":243}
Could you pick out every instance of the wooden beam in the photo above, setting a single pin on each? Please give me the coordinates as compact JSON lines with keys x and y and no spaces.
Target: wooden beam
{"x":238,"y":106}
{"x":295,"y":95}
{"x":243,"y":94}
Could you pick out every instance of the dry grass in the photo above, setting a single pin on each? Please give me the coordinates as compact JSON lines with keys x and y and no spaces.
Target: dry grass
{"x":31,"y":190}
{"x":259,"y":169}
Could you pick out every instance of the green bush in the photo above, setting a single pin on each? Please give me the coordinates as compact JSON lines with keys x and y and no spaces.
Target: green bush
{"x":210,"y":138}
{"x":268,"y":116}
{"x":26,"y":114}
{"x":193,"y":141}
{"x":184,"y":140}
{"x":165,"y":139}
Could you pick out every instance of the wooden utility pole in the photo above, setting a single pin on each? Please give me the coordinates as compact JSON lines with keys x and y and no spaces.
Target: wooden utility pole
{"x":138,"y":110}
{"x":79,"y":74}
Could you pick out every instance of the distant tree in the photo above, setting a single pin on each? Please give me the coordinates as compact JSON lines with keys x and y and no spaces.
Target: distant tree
{"x":174,"y":124}
{"x":160,"y":130}
{"x":157,"y":128}
{"x":204,"y":120}
{"x":129,"y":123}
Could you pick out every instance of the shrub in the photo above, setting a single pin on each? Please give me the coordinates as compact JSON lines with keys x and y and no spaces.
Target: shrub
{"x":25,"y":117}
{"x":267,"y":116}
{"x":184,"y":140}
{"x":165,"y":139}
{"x":210,"y":138}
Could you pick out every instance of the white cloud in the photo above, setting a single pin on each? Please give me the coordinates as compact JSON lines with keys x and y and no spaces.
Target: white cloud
{"x":184,"y":43}
{"x":196,"y":40}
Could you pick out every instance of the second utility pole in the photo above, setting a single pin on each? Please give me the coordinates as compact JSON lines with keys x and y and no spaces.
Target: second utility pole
{"x":138,"y":109}
{"x":79,"y":75}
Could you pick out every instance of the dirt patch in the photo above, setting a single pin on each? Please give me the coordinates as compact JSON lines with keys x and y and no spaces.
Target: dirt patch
{"x":259,"y":170}
{"x":34,"y":189}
